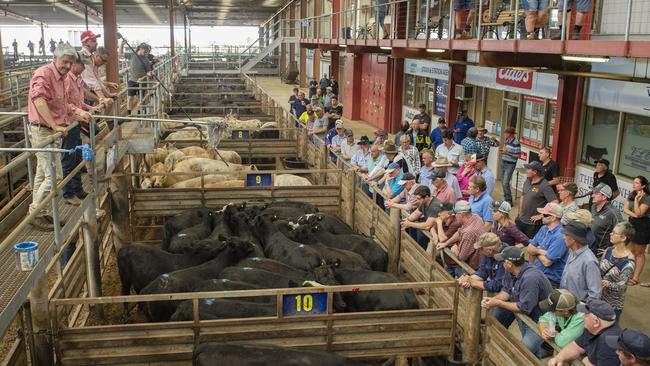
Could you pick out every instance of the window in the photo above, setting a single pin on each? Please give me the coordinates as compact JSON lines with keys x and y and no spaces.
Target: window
{"x":493,"y":110}
{"x":599,"y":137}
{"x":532,"y":132}
{"x":552,"y":109}
{"x":409,"y":90}
{"x":635,"y":148}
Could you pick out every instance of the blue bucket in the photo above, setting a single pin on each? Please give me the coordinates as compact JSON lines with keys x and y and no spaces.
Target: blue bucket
{"x":26,"y":254}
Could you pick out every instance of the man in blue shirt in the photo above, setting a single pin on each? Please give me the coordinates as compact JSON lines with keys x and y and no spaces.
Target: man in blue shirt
{"x":436,"y":134}
{"x":299,"y":106}
{"x":489,"y":275}
{"x":461,"y":126}
{"x":392,"y":177}
{"x":524,"y":286}
{"x":485,"y":172}
{"x":480,"y":201}
{"x":547,"y":249}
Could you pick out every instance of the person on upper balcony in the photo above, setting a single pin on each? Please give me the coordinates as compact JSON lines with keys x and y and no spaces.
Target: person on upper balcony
{"x":536,"y":17}
{"x":582,"y":6}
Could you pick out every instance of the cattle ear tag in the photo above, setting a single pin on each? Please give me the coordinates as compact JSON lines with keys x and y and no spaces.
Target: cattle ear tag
{"x":208,"y":301}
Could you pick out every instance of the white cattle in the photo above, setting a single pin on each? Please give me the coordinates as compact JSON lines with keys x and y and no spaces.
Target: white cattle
{"x":290,"y":180}
{"x":211,"y":181}
{"x":203,"y":165}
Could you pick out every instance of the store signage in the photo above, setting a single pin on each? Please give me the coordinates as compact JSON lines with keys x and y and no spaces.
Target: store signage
{"x":427,"y":69}
{"x":538,"y":84}
{"x":622,"y":96}
{"x":515,"y":78}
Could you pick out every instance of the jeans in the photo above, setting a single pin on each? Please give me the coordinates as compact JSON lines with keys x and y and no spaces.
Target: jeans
{"x":455,"y":271}
{"x":505,"y":317}
{"x":70,"y":161}
{"x":507,"y":169}
{"x":422,"y":239}
{"x":529,"y":229}
{"x":529,"y":337}
{"x":67,"y":254}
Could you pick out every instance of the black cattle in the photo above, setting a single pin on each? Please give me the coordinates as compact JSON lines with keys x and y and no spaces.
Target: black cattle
{"x":235,"y":354}
{"x":367,"y":248}
{"x":266,"y":133}
{"x":331,"y":223}
{"x":277,"y":246}
{"x":210,"y":309}
{"x":220,"y":226}
{"x":374,"y":300}
{"x":288,"y":211}
{"x":238,"y":218}
{"x":186,"y":280}
{"x":274,"y":266}
{"x":184,"y":240}
{"x":306,"y":207}
{"x":139,"y":264}
{"x":223,"y":284}
{"x":184,"y":220}
{"x":344,"y":258}
{"x":258,"y":277}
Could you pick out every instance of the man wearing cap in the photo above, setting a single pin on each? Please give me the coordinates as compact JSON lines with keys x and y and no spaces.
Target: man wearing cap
{"x":442,"y":190}
{"x":349,"y":146}
{"x":49,"y":112}
{"x":424,"y":216}
{"x":632,"y":347}
{"x":567,"y":193}
{"x":327,"y":98}
{"x":482,"y":170}
{"x":406,"y":199}
{"x":360,"y":158}
{"x":524,"y":286}
{"x":90,"y":75}
{"x":510,"y":153}
{"x":469,"y":143}
{"x":419,"y":137}
{"x":584,"y":216}
{"x":436,"y":134}
{"x":380,"y":137}
{"x":139,"y":66}
{"x":489,"y":275}
{"x":334,"y":111}
{"x":320,"y":127}
{"x":423,"y":117}
{"x":536,"y":194}
{"x":599,"y":320}
{"x":411,"y":154}
{"x":604,"y":175}
{"x":547,"y":249}
{"x":450,"y":150}
{"x":581,"y":273}
{"x":480,"y":200}
{"x":550,"y":169}
{"x":461,"y":126}
{"x":393,"y":155}
{"x":335,"y":137}
{"x":562,"y":322}
{"x":392,"y":177}
{"x":463,"y":240}
{"x":605,"y":216}
{"x":485,"y":143}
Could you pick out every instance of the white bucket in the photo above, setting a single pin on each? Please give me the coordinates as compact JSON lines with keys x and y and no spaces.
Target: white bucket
{"x":26,"y":254}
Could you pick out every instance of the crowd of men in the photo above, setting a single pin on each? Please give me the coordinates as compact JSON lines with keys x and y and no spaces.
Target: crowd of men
{"x":551,"y":250}
{"x":67,"y":90}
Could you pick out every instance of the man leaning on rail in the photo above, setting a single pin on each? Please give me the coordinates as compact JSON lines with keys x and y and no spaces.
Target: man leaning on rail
{"x":49,"y":113}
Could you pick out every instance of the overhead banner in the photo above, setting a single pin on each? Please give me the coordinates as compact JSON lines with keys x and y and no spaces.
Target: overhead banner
{"x":622,"y":96}
{"x":426,"y":68}
{"x":518,"y":81}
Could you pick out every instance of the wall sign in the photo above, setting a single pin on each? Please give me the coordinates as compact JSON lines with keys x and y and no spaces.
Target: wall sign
{"x":258,"y":180}
{"x":621,"y":96}
{"x":304,"y":304}
{"x":525,"y":82}
{"x":440,"y":107}
{"x":240,"y":135}
{"x":426,"y":68}
{"x":515,"y":78}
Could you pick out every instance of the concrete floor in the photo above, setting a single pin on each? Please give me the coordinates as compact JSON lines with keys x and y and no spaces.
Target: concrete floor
{"x":634,"y":315}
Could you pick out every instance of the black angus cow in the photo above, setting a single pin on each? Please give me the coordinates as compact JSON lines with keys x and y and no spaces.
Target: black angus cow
{"x":286,"y":211}
{"x":374,"y":300}
{"x":305,"y":207}
{"x":184,"y":240}
{"x":271,"y":265}
{"x":183,"y":220}
{"x":238,"y":217}
{"x":331,"y":223}
{"x":366,"y":247}
{"x":185,"y":280}
{"x":258,"y":277}
{"x":211,"y":309}
{"x":220,"y":226}
{"x":237,"y":354}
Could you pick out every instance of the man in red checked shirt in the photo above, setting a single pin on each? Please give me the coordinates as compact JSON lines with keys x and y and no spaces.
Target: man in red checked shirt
{"x":49,"y":112}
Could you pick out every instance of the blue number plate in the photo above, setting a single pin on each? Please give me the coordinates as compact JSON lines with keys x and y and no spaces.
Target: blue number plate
{"x":258,"y":180}
{"x":239,"y":135}
{"x":304,"y":304}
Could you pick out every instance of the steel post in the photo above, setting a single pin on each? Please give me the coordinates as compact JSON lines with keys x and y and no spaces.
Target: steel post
{"x":38,"y":301}
{"x":517,"y":27}
{"x":28,"y":144}
{"x":91,"y":246}
{"x":628,"y":20}
{"x":564,"y":28}
{"x":55,"y":202}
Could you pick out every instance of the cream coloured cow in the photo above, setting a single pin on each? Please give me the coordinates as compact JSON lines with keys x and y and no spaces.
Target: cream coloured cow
{"x":290,"y":180}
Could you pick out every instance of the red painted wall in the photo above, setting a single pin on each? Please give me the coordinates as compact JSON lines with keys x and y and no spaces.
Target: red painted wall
{"x":352,"y":86}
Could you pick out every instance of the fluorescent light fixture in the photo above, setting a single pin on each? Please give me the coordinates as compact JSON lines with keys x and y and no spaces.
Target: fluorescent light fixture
{"x":585,"y":58}
{"x":388,"y":48}
{"x":435,"y":50}
{"x":342,"y":46}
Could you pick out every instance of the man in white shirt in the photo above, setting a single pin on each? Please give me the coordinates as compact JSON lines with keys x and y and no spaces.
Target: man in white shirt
{"x":450,"y":150}
{"x":349,"y":145}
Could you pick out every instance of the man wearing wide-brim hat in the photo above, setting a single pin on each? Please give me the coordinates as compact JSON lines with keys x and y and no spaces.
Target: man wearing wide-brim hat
{"x":442,"y":164}
{"x":450,"y":150}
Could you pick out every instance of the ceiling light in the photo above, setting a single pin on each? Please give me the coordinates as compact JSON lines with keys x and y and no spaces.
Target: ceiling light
{"x":585,"y":58}
{"x":436,"y":50}
{"x":387,"y":48}
{"x":342,"y":46}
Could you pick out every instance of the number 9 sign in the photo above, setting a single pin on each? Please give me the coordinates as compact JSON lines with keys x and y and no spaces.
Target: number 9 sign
{"x":258,"y":180}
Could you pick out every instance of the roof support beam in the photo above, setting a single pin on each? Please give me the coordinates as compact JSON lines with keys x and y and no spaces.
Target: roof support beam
{"x":110,"y":40}
{"x":23,"y":18}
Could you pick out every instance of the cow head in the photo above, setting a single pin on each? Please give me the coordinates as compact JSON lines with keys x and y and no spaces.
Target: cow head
{"x":324,"y":273}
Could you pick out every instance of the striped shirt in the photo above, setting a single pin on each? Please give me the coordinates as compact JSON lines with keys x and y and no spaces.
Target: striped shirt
{"x":412,"y":156}
{"x":485,"y":144}
{"x":513,"y":149}
{"x":616,"y":271}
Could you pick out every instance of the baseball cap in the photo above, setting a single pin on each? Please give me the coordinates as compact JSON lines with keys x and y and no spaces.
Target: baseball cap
{"x":405,"y":177}
{"x":603,"y":189}
{"x":603,"y":161}
{"x":510,"y":130}
{"x":479,"y":157}
{"x":501,"y":206}
{"x":89,"y":35}
{"x":601,"y":309}
{"x":551,"y":208}
{"x":339,"y":123}
{"x":534,"y":165}
{"x":632,"y":341}
{"x":381,"y":133}
{"x":392,"y":167}
{"x":462,"y":206}
{"x":364,"y":140}
{"x":438,"y":174}
{"x":348,"y":133}
{"x":577,"y":231}
{"x":441,"y":120}
{"x":487,"y":240}
{"x":510,"y":254}
{"x":559,"y":300}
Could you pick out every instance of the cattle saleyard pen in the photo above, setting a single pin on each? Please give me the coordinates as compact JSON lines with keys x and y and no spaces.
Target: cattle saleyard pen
{"x":446,"y":325}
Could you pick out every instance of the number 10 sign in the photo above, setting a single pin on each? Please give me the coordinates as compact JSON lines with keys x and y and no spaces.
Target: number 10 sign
{"x":304,"y":304}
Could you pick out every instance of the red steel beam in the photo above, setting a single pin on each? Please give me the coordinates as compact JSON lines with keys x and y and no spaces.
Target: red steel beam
{"x":110,"y":40}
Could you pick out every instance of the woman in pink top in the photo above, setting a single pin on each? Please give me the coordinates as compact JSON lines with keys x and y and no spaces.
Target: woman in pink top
{"x":465,"y":172}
